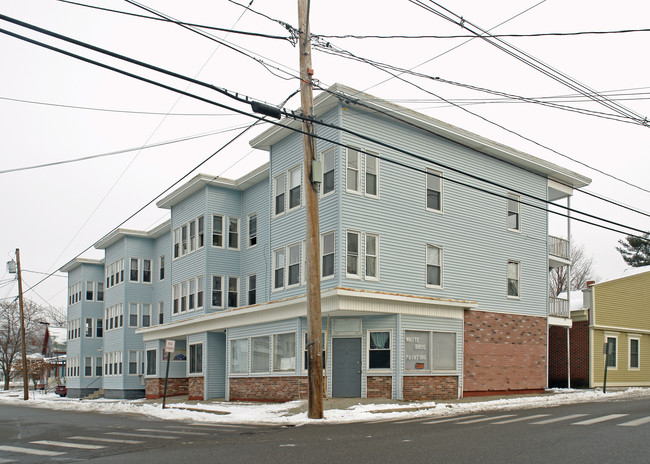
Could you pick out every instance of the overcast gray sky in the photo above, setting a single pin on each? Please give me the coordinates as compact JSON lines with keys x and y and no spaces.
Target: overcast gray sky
{"x":54,"y":213}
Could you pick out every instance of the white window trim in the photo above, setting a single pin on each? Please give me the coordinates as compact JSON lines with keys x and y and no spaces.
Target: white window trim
{"x":359,"y":163}
{"x":162,"y":265}
{"x":517,"y":198}
{"x":237,"y":220}
{"x":289,"y":186}
{"x":275,"y":194}
{"x":375,"y":278}
{"x":137,"y":363}
{"x":273,"y":269}
{"x":92,"y":328}
{"x":431,"y":369}
{"x":189,"y":361}
{"x":248,"y":356}
{"x":442,"y":191}
{"x":365,"y":174}
{"x":141,"y":264}
{"x":359,"y":254}
{"x":138,"y":268}
{"x":322,"y":238}
{"x":322,"y":159}
{"x":238,"y":291}
{"x":248,"y":230}
{"x":223,"y":281}
{"x":631,"y":337}
{"x":287,"y":256}
{"x":442,"y":266}
{"x":248,"y":289}
{"x":146,"y":367}
{"x":92,"y":285}
{"x":513,"y":297}
{"x":223,"y":231}
{"x":391,"y":348}
{"x":618,"y":348}
{"x":272,"y":353}
{"x":304,"y":348}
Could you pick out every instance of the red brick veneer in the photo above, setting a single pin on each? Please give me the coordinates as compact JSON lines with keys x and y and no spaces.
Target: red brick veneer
{"x":504,"y":353}
{"x":425,"y":387}
{"x":154,"y":388}
{"x":379,"y":387}
{"x":196,"y":388}
{"x":557,"y":355}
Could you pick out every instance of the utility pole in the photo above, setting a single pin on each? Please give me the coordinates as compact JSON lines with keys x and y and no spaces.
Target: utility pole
{"x":22,"y":329}
{"x":314,"y":321}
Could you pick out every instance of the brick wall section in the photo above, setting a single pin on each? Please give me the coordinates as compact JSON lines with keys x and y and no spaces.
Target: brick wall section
{"x":557,"y":356}
{"x":195,"y":388}
{"x":154,"y":388}
{"x":417,"y":388}
{"x":503,"y":353}
{"x":272,"y":389}
{"x":379,"y":387}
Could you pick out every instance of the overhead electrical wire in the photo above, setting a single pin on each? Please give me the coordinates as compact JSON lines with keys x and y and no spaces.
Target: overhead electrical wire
{"x":465,"y":36}
{"x":529,"y":60}
{"x":111,"y":110}
{"x":300,"y":117}
{"x":293,"y":115}
{"x":201,"y":26}
{"x":120,"y":152}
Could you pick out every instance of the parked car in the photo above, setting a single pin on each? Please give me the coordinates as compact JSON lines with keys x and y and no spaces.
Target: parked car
{"x":61,"y":390}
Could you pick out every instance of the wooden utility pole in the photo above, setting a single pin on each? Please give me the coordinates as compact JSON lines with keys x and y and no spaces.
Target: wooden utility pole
{"x":314,"y":321}
{"x":22,"y":329}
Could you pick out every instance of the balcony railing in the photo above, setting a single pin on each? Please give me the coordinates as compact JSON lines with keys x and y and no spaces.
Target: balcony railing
{"x":558,"y":247}
{"x":558,"y":307}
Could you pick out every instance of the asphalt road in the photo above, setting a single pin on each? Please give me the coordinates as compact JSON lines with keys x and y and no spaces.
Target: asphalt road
{"x":602,"y":432}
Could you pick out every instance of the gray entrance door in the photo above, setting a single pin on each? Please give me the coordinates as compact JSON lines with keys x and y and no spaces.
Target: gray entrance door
{"x":346,"y":367}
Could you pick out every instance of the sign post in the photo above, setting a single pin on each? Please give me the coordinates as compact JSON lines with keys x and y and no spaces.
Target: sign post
{"x":169,"y":350}
{"x":608,"y":350}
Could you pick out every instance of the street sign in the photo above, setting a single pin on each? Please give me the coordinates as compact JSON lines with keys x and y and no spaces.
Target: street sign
{"x":169,"y":346}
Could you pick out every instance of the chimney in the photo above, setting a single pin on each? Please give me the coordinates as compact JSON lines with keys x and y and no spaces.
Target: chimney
{"x":590,"y":283}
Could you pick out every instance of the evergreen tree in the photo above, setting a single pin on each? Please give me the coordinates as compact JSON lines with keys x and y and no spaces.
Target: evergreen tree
{"x":635,"y":250}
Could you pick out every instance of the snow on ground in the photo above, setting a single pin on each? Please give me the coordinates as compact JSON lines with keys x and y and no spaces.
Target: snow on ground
{"x":286,"y":413}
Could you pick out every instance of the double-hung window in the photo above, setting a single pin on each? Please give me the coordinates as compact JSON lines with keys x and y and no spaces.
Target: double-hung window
{"x":284,"y":352}
{"x":99,"y":328}
{"x":217,"y":230}
{"x":184,"y":240}
{"x":133,"y":315}
{"x":88,"y":367}
{"x":352,"y":252}
{"x":372,"y":256}
{"x":434,"y":266}
{"x":100,"y":291}
{"x":133,"y":362}
{"x":260,"y":354}
{"x":177,"y":243}
{"x":379,"y":350}
{"x":184,"y":289}
{"x":328,"y":159}
{"x":201,"y":231}
{"x":89,"y":327}
{"x":352,"y":183}
{"x":279,"y":187}
{"x":192,"y":236}
{"x":192,"y":297}
{"x":176,"y":295}
{"x":146,"y":270}
{"x":146,"y":315}
{"x":217,"y":291}
{"x":199,"y":292}
{"x":151,"y":362}
{"x":134,"y":270}
{"x":372,"y":176}
{"x":611,"y":351}
{"x":278,"y":269}
{"x":294,"y":265}
{"x":90,"y":287}
{"x":295,"y":182}
{"x":196,"y":358}
{"x":513,"y":212}
{"x":98,"y":367}
{"x":327,"y":255}
{"x":162,"y":267}
{"x":634,"y":353}
{"x":252,"y":230}
{"x":233,"y":233}
{"x":239,"y":356}
{"x":252,"y":289}
{"x":233,"y":292}
{"x":434,"y":190}
{"x":513,"y":279}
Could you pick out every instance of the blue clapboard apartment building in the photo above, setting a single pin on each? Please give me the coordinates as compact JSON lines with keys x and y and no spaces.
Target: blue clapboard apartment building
{"x":431,"y":289}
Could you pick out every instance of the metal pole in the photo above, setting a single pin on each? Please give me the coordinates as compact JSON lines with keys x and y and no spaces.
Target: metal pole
{"x":314,"y":320}
{"x":169,"y":356}
{"x":22,"y":329}
{"x":568,"y":356}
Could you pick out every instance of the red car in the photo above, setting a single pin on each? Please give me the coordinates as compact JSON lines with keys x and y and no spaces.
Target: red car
{"x":61,"y":390}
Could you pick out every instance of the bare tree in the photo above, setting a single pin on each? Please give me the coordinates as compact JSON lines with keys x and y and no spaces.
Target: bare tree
{"x":581,"y":271}
{"x":10,"y":334}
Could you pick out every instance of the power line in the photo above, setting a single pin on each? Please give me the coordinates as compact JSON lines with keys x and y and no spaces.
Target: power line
{"x":293,"y":115}
{"x":461,"y":36}
{"x":202,"y":26}
{"x":120,"y":152}
{"x":530,"y":60}
{"x":109,"y":110}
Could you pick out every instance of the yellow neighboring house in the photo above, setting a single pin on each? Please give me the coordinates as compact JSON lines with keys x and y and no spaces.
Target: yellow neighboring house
{"x":620,"y":315}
